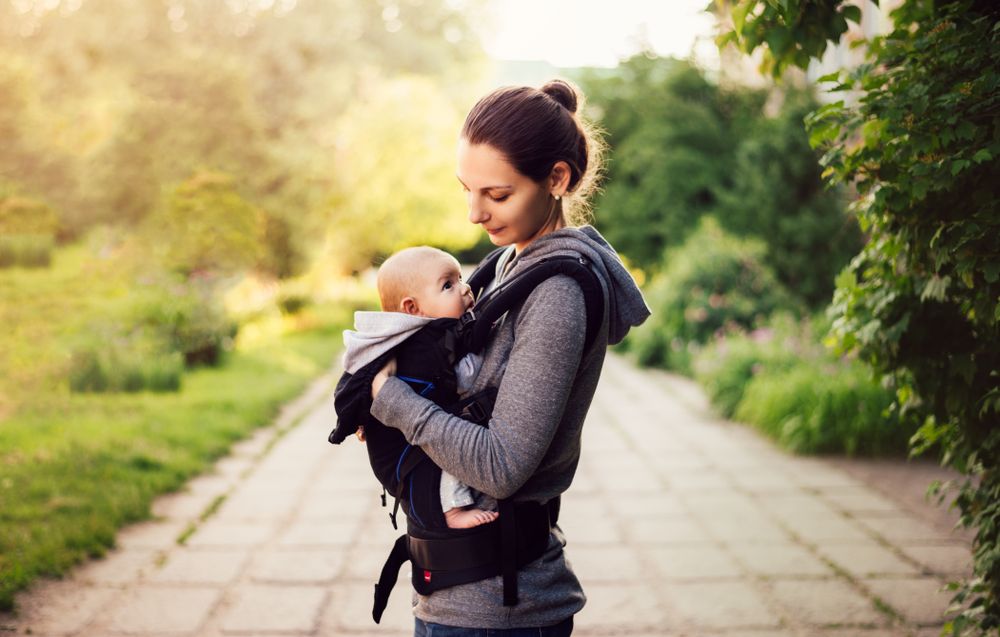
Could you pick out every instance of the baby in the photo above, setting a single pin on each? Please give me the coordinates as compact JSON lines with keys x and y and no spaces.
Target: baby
{"x":417,"y":285}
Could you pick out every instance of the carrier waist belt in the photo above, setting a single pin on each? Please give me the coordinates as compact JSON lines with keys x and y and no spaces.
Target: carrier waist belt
{"x":518,"y":537}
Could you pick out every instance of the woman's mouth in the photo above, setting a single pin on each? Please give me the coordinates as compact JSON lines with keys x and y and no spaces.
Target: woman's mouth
{"x":493,"y":230}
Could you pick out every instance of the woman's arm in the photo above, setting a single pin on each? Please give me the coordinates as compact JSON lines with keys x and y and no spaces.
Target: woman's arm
{"x":548,"y":344}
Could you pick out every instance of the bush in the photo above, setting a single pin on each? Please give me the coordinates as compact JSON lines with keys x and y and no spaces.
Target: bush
{"x":835,"y":407}
{"x":189,"y":320}
{"x":27,"y":231}
{"x":26,"y":250}
{"x":123,"y":363}
{"x":713,"y":282}
{"x":727,"y":365}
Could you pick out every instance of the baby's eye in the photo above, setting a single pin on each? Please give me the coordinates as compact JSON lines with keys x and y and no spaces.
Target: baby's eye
{"x":447,"y":285}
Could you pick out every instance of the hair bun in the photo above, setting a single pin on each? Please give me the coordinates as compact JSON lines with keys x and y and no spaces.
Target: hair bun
{"x":562,"y":92}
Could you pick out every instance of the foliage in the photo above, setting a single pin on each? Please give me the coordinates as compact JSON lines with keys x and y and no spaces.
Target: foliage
{"x":919,"y":139}
{"x":778,"y":196}
{"x":713,"y":282}
{"x":206,"y":227}
{"x":27,"y":231}
{"x":397,"y":185}
{"x":109,"y":103}
{"x":731,"y":360}
{"x":831,"y":407}
{"x":781,"y":378}
{"x":187,"y":317}
{"x":75,"y":468}
{"x":684,"y":147}
{"x":123,"y":363}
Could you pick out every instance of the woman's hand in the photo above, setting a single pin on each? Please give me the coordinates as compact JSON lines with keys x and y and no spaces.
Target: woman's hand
{"x":382,"y":376}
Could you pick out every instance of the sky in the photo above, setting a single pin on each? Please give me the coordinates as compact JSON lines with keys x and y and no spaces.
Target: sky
{"x":572,"y":33}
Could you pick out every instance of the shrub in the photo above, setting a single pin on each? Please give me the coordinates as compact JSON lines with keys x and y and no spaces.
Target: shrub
{"x":730,"y":362}
{"x":713,"y":282}
{"x":26,"y":250}
{"x":27,"y":232}
{"x":835,"y":407}
{"x":189,"y":320}
{"x":116,"y":362}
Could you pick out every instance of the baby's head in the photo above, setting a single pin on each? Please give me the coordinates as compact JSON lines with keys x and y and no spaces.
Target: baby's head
{"x":423,"y":281}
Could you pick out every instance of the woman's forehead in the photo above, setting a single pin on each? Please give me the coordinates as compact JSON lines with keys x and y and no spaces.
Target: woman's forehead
{"x":483,"y":166}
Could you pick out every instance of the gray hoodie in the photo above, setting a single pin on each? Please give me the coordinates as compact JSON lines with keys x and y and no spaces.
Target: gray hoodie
{"x":531,"y":448}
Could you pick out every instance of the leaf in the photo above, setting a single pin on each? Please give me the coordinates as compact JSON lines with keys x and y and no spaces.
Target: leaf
{"x":740,"y":14}
{"x":852,"y":13}
{"x":936,"y":288}
{"x":981,"y":156}
{"x":959,"y":165}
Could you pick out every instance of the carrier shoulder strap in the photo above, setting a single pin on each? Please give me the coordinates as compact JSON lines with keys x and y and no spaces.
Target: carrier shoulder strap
{"x":475,"y":324}
{"x":485,"y":272}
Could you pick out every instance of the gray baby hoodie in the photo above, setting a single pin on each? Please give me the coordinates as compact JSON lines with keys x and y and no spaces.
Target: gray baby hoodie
{"x":531,"y":448}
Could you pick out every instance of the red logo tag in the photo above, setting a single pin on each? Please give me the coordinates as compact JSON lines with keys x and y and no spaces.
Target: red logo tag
{"x":427,"y":576}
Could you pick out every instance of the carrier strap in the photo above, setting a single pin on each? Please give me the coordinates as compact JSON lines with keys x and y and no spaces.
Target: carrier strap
{"x":508,"y":551}
{"x":387,"y":579}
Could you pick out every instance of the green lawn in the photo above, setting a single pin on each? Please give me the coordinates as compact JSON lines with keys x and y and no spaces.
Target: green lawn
{"x":74,"y":468}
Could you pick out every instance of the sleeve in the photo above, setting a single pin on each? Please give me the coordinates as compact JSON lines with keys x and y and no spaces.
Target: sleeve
{"x":531,"y":398}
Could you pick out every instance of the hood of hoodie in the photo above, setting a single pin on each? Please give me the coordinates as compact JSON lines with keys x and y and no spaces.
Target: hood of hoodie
{"x":626,"y":306}
{"x":375,"y":333}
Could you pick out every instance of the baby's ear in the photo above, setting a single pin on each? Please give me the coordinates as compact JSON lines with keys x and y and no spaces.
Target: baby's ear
{"x":409,"y":306}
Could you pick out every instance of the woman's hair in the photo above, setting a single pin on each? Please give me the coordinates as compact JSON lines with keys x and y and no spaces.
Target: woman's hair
{"x":534,"y":129}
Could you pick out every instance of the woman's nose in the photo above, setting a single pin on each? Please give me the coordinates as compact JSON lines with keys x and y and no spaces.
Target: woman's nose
{"x":476,"y":212}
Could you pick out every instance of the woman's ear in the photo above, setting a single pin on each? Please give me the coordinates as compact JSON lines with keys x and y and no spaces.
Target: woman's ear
{"x":409,"y":306}
{"x":559,"y":178}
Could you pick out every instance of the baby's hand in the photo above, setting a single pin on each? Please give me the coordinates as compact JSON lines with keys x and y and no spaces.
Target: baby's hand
{"x":360,"y":433}
{"x":382,"y":376}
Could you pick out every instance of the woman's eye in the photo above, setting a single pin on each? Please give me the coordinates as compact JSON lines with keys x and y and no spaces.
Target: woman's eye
{"x":500,"y":198}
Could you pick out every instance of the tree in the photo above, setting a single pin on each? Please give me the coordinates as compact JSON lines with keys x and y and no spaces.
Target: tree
{"x":684,"y":147}
{"x":918,"y":137}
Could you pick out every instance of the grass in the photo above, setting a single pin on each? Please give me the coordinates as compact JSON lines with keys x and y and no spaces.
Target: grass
{"x":76,"y":467}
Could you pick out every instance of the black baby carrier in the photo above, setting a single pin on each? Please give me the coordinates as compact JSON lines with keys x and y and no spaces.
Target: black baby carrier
{"x":442,"y":557}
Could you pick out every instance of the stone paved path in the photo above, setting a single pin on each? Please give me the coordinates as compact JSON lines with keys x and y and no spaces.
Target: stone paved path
{"x":679,"y":524}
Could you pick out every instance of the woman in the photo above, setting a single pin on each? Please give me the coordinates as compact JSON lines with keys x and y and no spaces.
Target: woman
{"x":525,"y":160}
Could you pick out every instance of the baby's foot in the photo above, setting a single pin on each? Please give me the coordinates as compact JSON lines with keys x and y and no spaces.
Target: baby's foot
{"x":459,"y":518}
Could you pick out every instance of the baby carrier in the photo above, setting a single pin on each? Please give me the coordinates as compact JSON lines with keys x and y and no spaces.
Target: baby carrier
{"x":442,"y":557}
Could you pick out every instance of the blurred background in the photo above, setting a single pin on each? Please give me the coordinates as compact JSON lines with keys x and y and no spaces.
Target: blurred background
{"x":193,"y":194}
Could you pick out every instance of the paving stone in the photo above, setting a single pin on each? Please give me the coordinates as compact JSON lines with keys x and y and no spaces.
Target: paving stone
{"x":605,"y":563}
{"x":231,"y":534}
{"x":747,"y":527}
{"x":830,"y":601}
{"x":862,"y":500}
{"x":68,"y":608}
{"x":121,"y":566}
{"x":172,"y":610}
{"x":159,"y":534}
{"x":821,"y":528}
{"x":779,"y":559}
{"x":864,"y":560}
{"x":182,"y":506}
{"x":635,"y":507}
{"x":761,"y":480}
{"x":943,"y":560}
{"x":297,"y":566}
{"x":626,"y":609}
{"x":720,"y":605}
{"x":905,"y":529}
{"x":349,"y":610}
{"x":274,"y":608}
{"x":919,"y":600}
{"x":189,"y":566}
{"x":319,"y":533}
{"x":664,"y":530}
{"x":257,"y":505}
{"x":692,"y":562}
